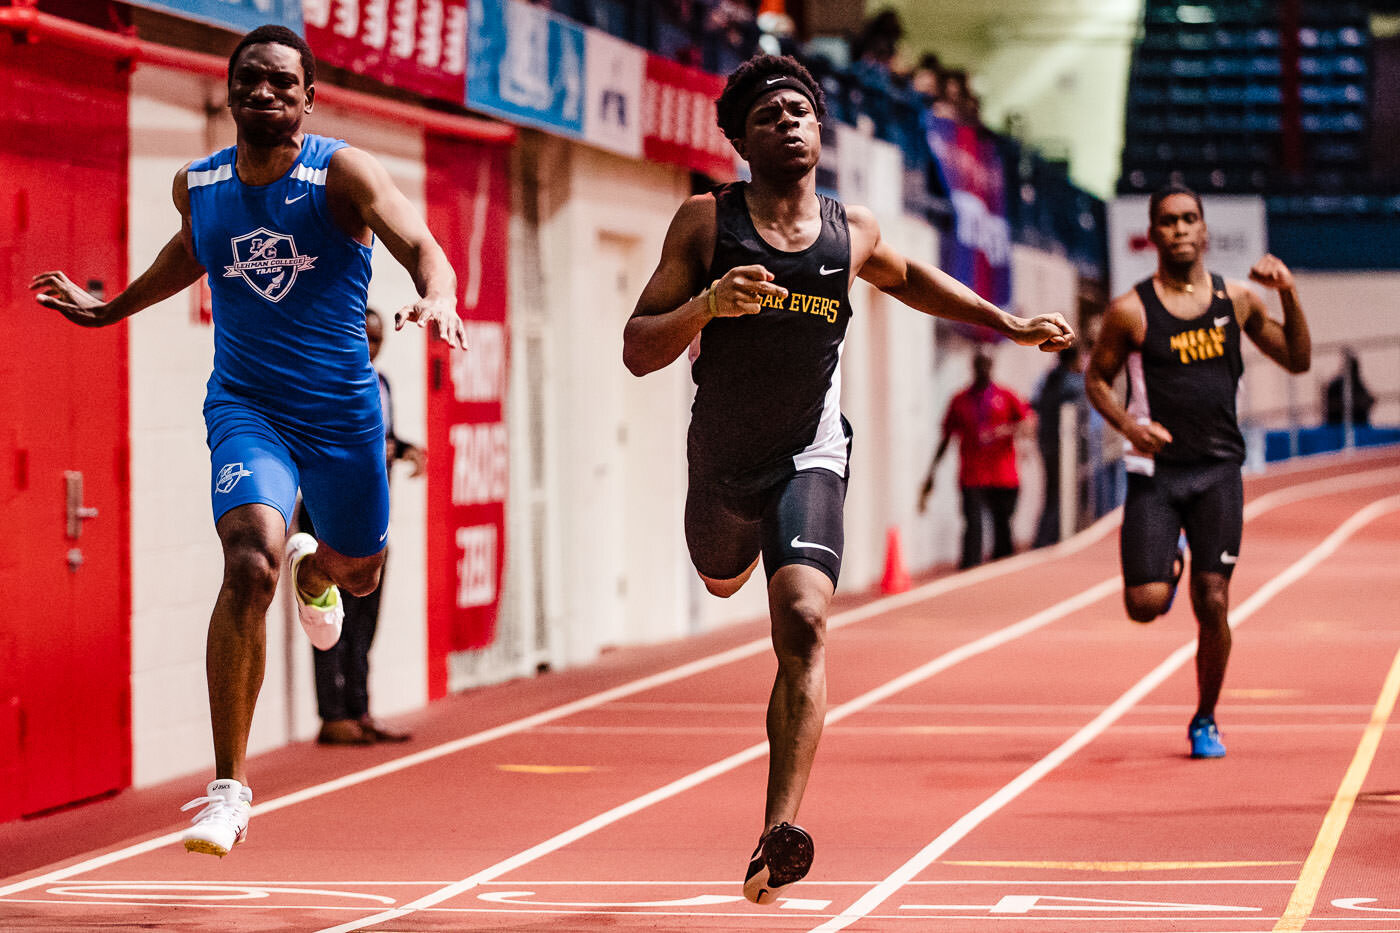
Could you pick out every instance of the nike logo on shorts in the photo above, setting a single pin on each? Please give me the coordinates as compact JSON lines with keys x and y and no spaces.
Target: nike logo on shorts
{"x":798,"y":542}
{"x":1227,"y":558}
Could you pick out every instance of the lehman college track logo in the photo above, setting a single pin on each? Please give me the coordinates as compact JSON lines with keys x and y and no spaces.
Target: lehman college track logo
{"x":268,"y":262}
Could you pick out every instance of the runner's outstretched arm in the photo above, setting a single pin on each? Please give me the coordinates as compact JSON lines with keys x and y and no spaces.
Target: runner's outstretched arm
{"x":173,"y":270}
{"x":358,"y":176}
{"x":932,"y":291}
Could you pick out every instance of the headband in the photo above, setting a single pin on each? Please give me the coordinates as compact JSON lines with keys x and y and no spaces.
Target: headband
{"x":775,"y":83}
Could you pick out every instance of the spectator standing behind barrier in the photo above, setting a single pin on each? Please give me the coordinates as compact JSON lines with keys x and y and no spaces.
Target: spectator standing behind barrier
{"x":342,"y":671}
{"x":1334,"y":396}
{"x":985,"y":417}
{"x":1063,"y":385}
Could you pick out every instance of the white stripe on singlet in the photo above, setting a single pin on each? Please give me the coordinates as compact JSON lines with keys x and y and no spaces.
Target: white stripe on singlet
{"x":1139,"y":411}
{"x":829,"y":448}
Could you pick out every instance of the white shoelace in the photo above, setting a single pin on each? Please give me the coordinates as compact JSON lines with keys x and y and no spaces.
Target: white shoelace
{"x":215,"y":808}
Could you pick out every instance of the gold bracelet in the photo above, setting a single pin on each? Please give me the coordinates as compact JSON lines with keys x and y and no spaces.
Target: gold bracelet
{"x":713,"y":299}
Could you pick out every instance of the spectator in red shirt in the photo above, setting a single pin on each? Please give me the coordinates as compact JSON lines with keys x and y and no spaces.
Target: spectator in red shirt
{"x":985,"y":418}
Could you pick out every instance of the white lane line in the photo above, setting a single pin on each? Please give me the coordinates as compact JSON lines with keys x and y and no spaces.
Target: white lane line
{"x":904,"y":681}
{"x":1073,"y":545}
{"x":1024,"y":781}
{"x":758,"y":646}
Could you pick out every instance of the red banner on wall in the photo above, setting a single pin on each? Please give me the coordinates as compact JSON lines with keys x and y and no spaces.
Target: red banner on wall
{"x":678,"y":119}
{"x":468,"y":198}
{"x":418,"y":45}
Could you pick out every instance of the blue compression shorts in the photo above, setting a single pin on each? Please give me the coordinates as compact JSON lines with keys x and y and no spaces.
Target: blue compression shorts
{"x":345,"y":488}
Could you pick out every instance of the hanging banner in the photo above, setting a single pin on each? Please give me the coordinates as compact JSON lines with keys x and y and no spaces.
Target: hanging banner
{"x":418,"y":45}
{"x":613,"y":86}
{"x":979,"y":252}
{"x":678,"y":119}
{"x":468,"y":464}
{"x":526,"y":65}
{"x":238,"y":15}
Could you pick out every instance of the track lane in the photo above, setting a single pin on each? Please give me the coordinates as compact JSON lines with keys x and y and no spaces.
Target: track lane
{"x":888,"y":641}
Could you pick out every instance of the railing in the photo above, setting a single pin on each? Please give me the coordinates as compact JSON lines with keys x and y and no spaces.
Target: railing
{"x":1334,"y":406}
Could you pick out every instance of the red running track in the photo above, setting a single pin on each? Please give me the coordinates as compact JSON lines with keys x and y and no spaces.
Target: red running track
{"x":1004,"y":751}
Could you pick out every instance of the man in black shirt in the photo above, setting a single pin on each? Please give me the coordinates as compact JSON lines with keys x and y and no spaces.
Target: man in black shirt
{"x":1179,"y":334}
{"x":757,"y":277}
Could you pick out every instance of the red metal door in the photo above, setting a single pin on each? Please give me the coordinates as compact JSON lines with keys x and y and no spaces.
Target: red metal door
{"x":65,"y":645}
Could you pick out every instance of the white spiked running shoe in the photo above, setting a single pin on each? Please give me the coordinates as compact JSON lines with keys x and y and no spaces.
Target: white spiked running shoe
{"x":322,"y":617}
{"x":223,"y":823}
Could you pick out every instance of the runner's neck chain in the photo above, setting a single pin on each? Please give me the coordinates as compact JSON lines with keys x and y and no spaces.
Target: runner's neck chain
{"x":1187,"y":287}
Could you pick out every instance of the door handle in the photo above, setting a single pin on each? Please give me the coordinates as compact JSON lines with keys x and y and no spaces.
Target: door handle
{"x":73,"y":496}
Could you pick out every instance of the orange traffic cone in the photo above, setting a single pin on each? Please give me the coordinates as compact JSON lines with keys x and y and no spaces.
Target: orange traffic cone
{"x":896,"y":579}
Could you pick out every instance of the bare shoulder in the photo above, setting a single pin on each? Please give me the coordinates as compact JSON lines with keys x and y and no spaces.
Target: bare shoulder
{"x":180,"y":188}
{"x":351,"y":164}
{"x":1127,"y":317}
{"x":865,"y":233}
{"x":696,"y":210}
{"x":861,"y":220}
{"x":1244,"y":298}
{"x":693,"y":227}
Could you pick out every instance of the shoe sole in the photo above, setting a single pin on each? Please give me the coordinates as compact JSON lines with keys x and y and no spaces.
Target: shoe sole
{"x":784,"y":858}
{"x":206,"y":847}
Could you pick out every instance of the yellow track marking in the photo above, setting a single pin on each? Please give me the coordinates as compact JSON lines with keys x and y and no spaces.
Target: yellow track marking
{"x":1118,"y":866}
{"x":1260,"y":693}
{"x":1305,"y":893}
{"x":548,"y":769}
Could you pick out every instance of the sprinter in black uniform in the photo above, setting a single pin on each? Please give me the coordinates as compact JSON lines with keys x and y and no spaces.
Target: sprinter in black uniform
{"x":755,"y":278}
{"x":1179,"y":335}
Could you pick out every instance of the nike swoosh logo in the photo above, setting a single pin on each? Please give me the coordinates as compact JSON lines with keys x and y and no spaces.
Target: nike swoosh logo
{"x":798,"y":542}
{"x":775,"y":80}
{"x":825,"y":271}
{"x":295,"y":199}
{"x":1221,"y":321}
{"x":383,"y":536}
{"x":1227,"y":558}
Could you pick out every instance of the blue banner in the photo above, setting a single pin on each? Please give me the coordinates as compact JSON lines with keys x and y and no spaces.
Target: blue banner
{"x":238,"y":15}
{"x":526,"y":65}
{"x":979,"y":252}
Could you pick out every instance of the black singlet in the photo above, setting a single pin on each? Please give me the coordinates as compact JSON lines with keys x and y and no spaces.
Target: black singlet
{"x":768,"y":386}
{"x":1191,"y":372}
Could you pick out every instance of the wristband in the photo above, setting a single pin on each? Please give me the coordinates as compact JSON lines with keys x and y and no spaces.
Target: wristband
{"x":713,"y":299}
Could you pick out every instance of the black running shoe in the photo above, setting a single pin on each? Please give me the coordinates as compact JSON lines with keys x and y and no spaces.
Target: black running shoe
{"x":783,"y":857}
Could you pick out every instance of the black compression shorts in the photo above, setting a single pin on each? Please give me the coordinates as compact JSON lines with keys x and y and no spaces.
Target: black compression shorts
{"x":1204,"y":499}
{"x":796,"y":521}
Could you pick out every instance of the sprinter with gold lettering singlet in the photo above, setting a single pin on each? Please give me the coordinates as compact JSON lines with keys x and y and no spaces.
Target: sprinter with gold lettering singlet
{"x":283,"y":222}
{"x":1179,"y":334}
{"x":757,"y":277}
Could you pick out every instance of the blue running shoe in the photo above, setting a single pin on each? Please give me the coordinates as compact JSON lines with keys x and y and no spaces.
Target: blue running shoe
{"x":1205,"y":738}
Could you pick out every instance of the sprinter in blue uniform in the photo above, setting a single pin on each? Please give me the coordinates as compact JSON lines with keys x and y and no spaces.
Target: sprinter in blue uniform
{"x":283,"y":223}
{"x":757,"y":277}
{"x":1179,"y":335}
